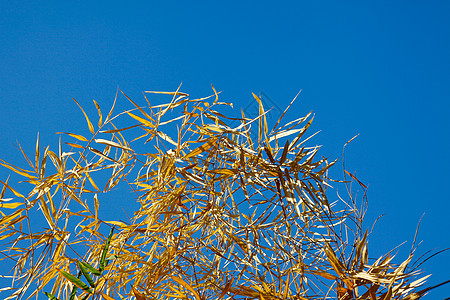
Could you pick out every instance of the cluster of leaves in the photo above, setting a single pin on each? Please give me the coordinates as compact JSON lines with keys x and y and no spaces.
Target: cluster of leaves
{"x":221,"y":214}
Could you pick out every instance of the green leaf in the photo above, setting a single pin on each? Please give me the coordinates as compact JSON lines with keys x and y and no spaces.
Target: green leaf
{"x":74,"y":289}
{"x":76,"y":281}
{"x":105,"y":251}
{"x":91,"y":268}
{"x":86,"y":274}
{"x":50,"y":296}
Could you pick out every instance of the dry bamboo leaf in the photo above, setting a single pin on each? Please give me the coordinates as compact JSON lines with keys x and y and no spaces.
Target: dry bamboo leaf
{"x":206,"y":146}
{"x":118,"y":130}
{"x":37,"y":153}
{"x":96,"y":206}
{"x":99,"y":153}
{"x":91,"y":128}
{"x":77,"y":136}
{"x":9,"y":205}
{"x":120,"y":224}
{"x":325,"y":275}
{"x":284,"y":134}
{"x":166,"y":138}
{"x":227,"y":172}
{"x":12,"y":190}
{"x":142,"y":120}
{"x":110,"y":298}
{"x":167,"y":93}
{"x":112,"y":107}
{"x":253,"y":211}
{"x":285,"y":111}
{"x":22,"y":172}
{"x":334,"y":261}
{"x":112,"y":144}
{"x":75,"y":145}
{"x":226,"y":289}
{"x":138,"y":107}
{"x":286,"y":290}
{"x":300,"y":134}
{"x":99,"y":113}
{"x":6,"y":220}
{"x":46,"y":213}
{"x":371,"y":278}
{"x":186,"y":286}
{"x":91,"y":181}
{"x":354,"y":177}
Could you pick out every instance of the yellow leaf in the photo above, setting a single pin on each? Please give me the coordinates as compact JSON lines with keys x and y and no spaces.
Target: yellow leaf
{"x":354,"y":177}
{"x":262,"y":121}
{"x":201,"y":149}
{"x":166,"y":138}
{"x":6,"y":219}
{"x":138,"y":295}
{"x":91,"y":181}
{"x":284,"y":133}
{"x":99,"y":113}
{"x":168,"y":93}
{"x":334,"y":261}
{"x":142,"y":120}
{"x":325,"y":275}
{"x":75,"y":145}
{"x":52,"y":205}
{"x":58,"y":250}
{"x":20,"y":172}
{"x":46,"y":213}
{"x":187,"y":286}
{"x":286,"y":291}
{"x":101,"y":154}
{"x":10,"y":205}
{"x":96,"y":206}
{"x":214,"y":128}
{"x":138,"y":107}
{"x":37,"y":153}
{"x":116,"y":223}
{"x":226,"y":289}
{"x":240,"y":243}
{"x":5,"y":236}
{"x":12,"y":190}
{"x":215,"y":93}
{"x":228,"y":172}
{"x":91,"y":128}
{"x":113,"y":144}
{"x":77,"y":136}
{"x":108,"y":297}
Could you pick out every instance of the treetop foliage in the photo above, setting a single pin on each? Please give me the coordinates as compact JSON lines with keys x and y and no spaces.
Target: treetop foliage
{"x":221,"y":213}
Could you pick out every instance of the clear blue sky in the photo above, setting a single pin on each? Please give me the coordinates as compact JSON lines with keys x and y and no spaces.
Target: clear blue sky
{"x":380,"y":69}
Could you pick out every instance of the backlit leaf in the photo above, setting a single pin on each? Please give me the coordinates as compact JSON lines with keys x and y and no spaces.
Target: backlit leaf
{"x":99,"y":113}
{"x":105,"y":251}
{"x":86,"y":274}
{"x":9,"y":205}
{"x":106,"y":296}
{"x":142,"y":120}
{"x":201,"y":149}
{"x":91,"y":268}
{"x":77,"y":136}
{"x":187,"y":286}
{"x":137,"y":294}
{"x":50,"y":296}
{"x":91,"y":128}
{"x":113,"y":144}
{"x":76,"y":281}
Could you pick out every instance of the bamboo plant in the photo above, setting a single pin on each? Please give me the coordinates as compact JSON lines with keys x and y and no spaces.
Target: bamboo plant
{"x":226,"y":208}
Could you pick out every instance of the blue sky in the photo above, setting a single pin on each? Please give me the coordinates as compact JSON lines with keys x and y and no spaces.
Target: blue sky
{"x":380,"y":69}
